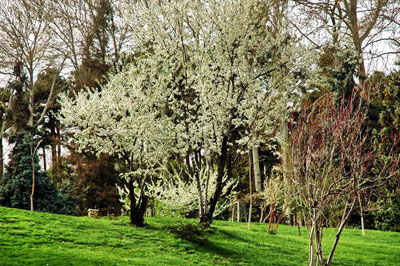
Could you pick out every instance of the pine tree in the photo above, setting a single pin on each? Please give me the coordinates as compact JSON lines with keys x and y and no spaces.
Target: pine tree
{"x":15,"y":189}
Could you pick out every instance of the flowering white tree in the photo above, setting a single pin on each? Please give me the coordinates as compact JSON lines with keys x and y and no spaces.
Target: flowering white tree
{"x":123,"y":119}
{"x":226,"y":67}
{"x":206,"y":76}
{"x":167,"y":189}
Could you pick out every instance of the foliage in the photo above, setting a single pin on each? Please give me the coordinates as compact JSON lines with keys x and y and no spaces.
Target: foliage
{"x":203,"y":85}
{"x":106,"y":122}
{"x":275,"y":196}
{"x":16,"y":186}
{"x":384,"y":120}
{"x":339,"y":67}
{"x":334,"y":73}
{"x":194,"y":233}
{"x":385,"y":95}
{"x":90,"y":182}
{"x":274,"y":190}
{"x":333,"y":161}
{"x":184,"y":185}
{"x":387,"y":213}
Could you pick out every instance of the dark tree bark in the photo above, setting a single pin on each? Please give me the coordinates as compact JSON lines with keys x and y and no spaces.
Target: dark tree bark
{"x":137,"y":207}
{"x":206,"y":220}
{"x":44,"y":158}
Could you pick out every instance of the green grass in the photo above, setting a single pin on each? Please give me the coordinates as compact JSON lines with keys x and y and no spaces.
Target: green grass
{"x":34,"y":238}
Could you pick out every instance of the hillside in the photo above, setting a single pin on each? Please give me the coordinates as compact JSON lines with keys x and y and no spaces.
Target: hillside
{"x":28,"y":238}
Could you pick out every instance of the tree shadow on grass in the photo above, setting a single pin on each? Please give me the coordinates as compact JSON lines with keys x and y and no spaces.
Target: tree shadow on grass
{"x":248,"y":240}
{"x":234,"y":236}
{"x":199,"y":241}
{"x":212,"y":248}
{"x":252,"y":243}
{"x":238,"y":256}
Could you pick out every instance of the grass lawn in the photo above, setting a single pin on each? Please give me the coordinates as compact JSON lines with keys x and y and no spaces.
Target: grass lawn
{"x":34,"y":238}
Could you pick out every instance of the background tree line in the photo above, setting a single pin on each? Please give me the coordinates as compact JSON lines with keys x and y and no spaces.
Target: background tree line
{"x":187,"y":108}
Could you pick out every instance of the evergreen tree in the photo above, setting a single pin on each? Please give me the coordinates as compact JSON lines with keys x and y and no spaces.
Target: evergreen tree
{"x":15,"y":189}
{"x":384,"y":119}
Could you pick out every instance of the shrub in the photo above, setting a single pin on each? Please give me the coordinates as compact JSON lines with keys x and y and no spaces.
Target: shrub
{"x":194,"y":233}
{"x":387,"y":214}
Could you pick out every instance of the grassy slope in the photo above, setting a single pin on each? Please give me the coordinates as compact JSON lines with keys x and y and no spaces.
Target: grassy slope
{"x":45,"y":239}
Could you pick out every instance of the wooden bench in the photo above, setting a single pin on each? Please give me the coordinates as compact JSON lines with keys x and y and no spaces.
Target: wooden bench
{"x":93,"y":213}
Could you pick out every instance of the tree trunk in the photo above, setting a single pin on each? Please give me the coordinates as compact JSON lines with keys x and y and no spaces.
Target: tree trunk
{"x":31,"y":108}
{"x":137,"y":215}
{"x":44,"y":158}
{"x":256,"y":168}
{"x":223,"y":161}
{"x":351,"y":11}
{"x":311,"y":257}
{"x":245,"y":214}
{"x":238,"y":212}
{"x":298,"y":223}
{"x":262,"y":214}
{"x":362,"y":223}
{"x":59,"y":143}
{"x":33,"y":178}
{"x":31,"y":105}
{"x":1,"y":159}
{"x":318,"y":241}
{"x":339,"y":231}
{"x":232,"y":212}
{"x":207,"y":186}
{"x":337,"y":237}
{"x":202,"y":201}
{"x":53,"y":151}
{"x":271,"y":218}
{"x":250,"y":190}
{"x":137,"y":209}
{"x":361,"y":215}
